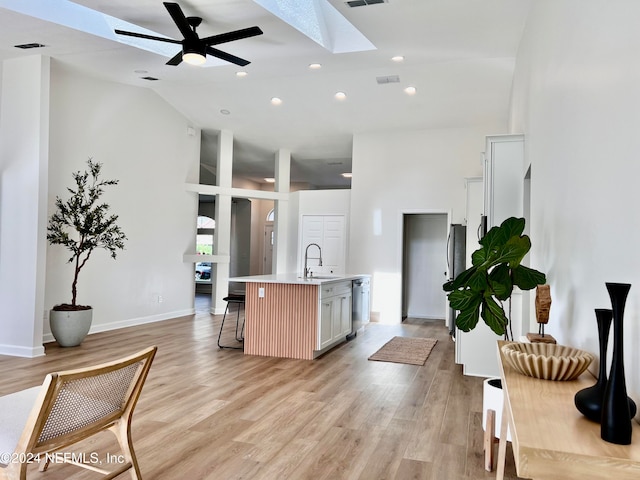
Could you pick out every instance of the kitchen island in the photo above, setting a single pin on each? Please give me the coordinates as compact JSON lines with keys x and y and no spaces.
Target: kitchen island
{"x":287,"y":315}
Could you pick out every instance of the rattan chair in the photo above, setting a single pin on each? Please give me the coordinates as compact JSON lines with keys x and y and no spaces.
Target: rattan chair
{"x":69,"y":407}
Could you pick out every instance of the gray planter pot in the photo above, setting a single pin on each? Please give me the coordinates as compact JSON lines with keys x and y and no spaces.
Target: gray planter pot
{"x":70,"y":327}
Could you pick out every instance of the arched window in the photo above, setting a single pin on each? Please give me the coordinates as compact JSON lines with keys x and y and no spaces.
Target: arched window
{"x":271,"y":216}
{"x":204,"y":246}
{"x":206,"y":222}
{"x":204,"y":239}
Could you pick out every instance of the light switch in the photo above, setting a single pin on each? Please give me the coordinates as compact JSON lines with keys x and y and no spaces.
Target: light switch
{"x":261,"y":292}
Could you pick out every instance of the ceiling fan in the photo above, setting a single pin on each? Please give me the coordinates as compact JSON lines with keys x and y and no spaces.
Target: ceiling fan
{"x":194,"y":48}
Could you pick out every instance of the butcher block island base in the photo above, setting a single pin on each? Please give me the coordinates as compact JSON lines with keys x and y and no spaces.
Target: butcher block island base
{"x":292,"y":317}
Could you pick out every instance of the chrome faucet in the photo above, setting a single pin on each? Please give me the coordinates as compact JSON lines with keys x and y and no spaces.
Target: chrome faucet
{"x":307,"y":271}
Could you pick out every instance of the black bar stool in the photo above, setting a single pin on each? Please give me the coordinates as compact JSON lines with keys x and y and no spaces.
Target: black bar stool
{"x":238,"y":300}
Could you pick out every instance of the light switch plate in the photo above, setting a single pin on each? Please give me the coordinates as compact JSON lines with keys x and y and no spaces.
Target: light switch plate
{"x":261,"y":292}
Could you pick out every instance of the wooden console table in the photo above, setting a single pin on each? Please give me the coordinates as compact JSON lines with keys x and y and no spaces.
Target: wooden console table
{"x":551,"y":438}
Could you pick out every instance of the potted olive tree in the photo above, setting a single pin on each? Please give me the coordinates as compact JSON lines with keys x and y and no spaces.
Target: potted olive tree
{"x":81,"y":224}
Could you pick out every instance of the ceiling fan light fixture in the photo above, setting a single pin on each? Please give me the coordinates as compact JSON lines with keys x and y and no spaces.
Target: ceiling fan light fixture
{"x":194,"y":53}
{"x":194,"y":58}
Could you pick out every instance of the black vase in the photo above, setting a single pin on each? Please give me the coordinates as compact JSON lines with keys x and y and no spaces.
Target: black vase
{"x":615,"y":424}
{"x":589,"y":400}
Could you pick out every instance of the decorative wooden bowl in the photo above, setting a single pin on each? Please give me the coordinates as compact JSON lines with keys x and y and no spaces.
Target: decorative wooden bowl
{"x":547,"y":361}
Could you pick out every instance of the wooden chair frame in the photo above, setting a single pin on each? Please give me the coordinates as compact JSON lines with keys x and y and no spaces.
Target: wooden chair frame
{"x":56,"y":389}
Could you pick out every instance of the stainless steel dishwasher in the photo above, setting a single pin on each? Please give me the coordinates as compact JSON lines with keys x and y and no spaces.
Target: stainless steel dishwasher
{"x":360,"y":305}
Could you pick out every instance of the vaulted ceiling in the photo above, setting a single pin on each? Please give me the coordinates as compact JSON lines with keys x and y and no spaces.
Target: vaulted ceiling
{"x":458,"y":54}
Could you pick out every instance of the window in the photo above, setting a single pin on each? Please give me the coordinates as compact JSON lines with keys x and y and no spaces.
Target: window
{"x":204,"y":246}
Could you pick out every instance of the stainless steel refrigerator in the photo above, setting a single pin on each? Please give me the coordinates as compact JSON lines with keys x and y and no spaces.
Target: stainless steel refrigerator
{"x":456,"y":262}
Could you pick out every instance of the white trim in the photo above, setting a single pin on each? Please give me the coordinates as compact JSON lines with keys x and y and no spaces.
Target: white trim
{"x":28,"y":352}
{"x":411,"y":211}
{"x":426,"y":317}
{"x":236,"y":192}
{"x":131,"y":322}
{"x":195,"y":258}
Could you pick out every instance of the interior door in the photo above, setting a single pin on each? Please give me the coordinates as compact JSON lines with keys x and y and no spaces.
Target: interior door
{"x":328,"y":232}
{"x":332,"y":244}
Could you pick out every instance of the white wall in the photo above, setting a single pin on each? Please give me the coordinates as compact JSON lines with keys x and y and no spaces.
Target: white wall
{"x":405,"y":171}
{"x":144,"y":143}
{"x":577,"y":99}
{"x":24,"y":129}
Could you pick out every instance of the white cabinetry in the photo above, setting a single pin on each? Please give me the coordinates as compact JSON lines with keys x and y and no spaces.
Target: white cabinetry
{"x":335,"y":313}
{"x":475,"y":194}
{"x":328,"y":232}
{"x":503,"y":198}
{"x":504,"y":178}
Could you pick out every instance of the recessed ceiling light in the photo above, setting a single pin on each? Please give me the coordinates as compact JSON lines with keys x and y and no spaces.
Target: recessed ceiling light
{"x":276,"y":101}
{"x":341,"y":96}
{"x":270,"y":180}
{"x":224,"y":111}
{"x":140,"y":72}
{"x":241,"y":73}
{"x":397,"y":58}
{"x":315,"y":66}
{"x":410,"y":90}
{"x":347,"y":175}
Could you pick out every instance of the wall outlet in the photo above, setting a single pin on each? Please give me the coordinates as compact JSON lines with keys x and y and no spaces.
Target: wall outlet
{"x":261,"y":292}
{"x":160,"y":299}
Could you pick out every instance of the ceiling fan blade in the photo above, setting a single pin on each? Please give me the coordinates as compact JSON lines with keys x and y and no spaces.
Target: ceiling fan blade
{"x":180,"y":20}
{"x":176,"y":60}
{"x":148,"y":37}
{"x":231,"y":36}
{"x":227,"y":57}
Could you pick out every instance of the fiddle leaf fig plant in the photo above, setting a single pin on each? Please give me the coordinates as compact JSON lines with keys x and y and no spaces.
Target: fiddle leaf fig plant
{"x":82,"y":224}
{"x":481,"y":290}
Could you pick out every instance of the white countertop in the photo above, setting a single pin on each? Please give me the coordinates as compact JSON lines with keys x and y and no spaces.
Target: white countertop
{"x":296,"y":278}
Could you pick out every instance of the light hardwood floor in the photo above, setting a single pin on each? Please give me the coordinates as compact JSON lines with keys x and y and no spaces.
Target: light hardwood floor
{"x":207,"y":413}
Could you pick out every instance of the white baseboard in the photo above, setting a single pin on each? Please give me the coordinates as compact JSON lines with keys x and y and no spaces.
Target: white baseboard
{"x":131,"y":322}
{"x":426,"y":317}
{"x":15,"y":351}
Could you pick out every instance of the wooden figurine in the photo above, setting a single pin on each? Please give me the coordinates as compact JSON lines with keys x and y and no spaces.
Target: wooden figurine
{"x":543,"y":305}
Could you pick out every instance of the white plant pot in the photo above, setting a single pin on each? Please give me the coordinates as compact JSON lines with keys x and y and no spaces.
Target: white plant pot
{"x":493,"y":399}
{"x":70,"y":327}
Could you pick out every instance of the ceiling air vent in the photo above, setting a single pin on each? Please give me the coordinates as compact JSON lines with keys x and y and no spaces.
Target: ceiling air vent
{"x":26,"y":46}
{"x":364,"y":3}
{"x":388,"y":79}
{"x":151,"y":79}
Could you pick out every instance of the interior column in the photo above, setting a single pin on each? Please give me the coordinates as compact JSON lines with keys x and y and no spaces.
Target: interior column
{"x":281,"y":224}
{"x":222,"y":235}
{"x":24,"y":171}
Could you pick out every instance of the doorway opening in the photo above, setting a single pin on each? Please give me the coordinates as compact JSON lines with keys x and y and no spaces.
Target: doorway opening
{"x":269,"y":240}
{"x":424,"y":265}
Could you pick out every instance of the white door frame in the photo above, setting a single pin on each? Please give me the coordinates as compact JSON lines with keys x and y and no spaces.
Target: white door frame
{"x":401,"y":225}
